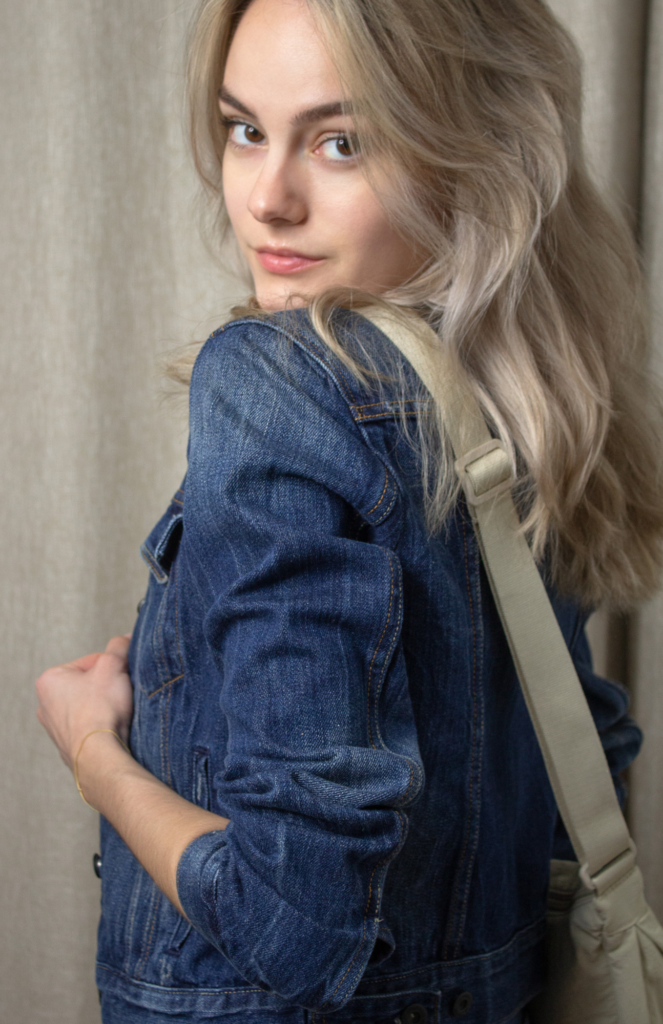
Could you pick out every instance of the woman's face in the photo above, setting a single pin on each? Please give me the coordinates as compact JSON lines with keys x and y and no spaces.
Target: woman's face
{"x":304,"y":215}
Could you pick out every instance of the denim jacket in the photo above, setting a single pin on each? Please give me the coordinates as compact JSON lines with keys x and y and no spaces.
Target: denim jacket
{"x":312,"y":664}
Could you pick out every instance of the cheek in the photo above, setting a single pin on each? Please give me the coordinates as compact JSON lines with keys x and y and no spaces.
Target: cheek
{"x":235,"y":192}
{"x":372,"y":245}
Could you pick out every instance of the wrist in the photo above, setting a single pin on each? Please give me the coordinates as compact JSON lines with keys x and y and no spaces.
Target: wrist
{"x":101,"y":756}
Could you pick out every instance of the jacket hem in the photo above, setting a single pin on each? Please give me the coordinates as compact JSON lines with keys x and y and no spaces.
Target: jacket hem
{"x":500,"y":983}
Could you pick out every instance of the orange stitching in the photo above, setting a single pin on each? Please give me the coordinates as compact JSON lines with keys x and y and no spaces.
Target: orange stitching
{"x":370,"y":668}
{"x":382,"y":415}
{"x":166,"y":719}
{"x":388,"y":656}
{"x":389,"y":401}
{"x":386,"y":481}
{"x":371,"y":405}
{"x":161,"y":615}
{"x":143,"y":960}
{"x":163,"y":771}
{"x":152,"y":563}
{"x":370,"y":891}
{"x":177,"y":501}
{"x":199,"y":991}
{"x":163,"y":687}
{"x":363,"y":937}
{"x":177,"y":614}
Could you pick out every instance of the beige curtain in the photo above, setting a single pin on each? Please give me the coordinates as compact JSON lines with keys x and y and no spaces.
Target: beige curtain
{"x":101,"y":270}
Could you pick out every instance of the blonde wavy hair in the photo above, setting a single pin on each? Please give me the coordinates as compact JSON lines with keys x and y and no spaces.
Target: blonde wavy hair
{"x":531,"y":279}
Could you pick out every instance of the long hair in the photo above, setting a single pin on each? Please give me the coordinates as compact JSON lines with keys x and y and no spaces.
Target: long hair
{"x":531,"y":279}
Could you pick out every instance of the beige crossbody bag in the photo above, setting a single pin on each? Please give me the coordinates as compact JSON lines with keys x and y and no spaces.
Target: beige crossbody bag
{"x":604,"y":944}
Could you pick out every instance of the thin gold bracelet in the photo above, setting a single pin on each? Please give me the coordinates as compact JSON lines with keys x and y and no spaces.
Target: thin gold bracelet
{"x":78,"y":785}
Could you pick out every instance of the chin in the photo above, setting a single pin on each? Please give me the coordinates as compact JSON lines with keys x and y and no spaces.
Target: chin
{"x":272,"y":301}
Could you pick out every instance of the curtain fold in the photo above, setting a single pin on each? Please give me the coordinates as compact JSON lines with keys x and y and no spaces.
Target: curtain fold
{"x":102,"y":269}
{"x":646,"y":637}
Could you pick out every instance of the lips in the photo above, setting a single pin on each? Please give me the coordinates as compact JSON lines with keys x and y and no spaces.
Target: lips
{"x":286,"y":261}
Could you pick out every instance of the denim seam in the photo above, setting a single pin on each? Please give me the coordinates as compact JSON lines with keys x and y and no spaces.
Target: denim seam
{"x":363,"y":934}
{"x":384,"y":491}
{"x":395,"y":634}
{"x":386,"y":511}
{"x":340,"y":381}
{"x":142,"y":963}
{"x":161,"y":615}
{"x":133,"y":907}
{"x":161,"y":719}
{"x":148,"y":557}
{"x":382,"y":415}
{"x":375,"y":652}
{"x":379,"y":865}
{"x":165,"y":719}
{"x":164,"y":685}
{"x":315,"y":353}
{"x":479,"y":959}
{"x":461,"y":864}
{"x":385,"y":401}
{"x":383,"y":864}
{"x":176,"y":604}
{"x":177,"y":991}
{"x":166,"y":732}
{"x":345,"y":390}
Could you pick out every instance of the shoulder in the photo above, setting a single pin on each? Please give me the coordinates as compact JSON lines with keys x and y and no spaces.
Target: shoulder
{"x":284,"y":348}
{"x":270,"y":398}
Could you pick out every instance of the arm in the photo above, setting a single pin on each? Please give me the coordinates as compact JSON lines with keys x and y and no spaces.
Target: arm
{"x":304,"y":627}
{"x":156,"y":824}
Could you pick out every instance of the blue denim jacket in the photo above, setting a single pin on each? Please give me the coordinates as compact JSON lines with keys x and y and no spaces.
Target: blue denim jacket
{"x":314,"y":666}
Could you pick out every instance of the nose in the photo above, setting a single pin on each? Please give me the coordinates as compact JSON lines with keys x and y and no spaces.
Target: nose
{"x":279,"y":194}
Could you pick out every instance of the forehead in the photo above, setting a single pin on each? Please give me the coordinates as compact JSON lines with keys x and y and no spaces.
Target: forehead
{"x":278,"y":63}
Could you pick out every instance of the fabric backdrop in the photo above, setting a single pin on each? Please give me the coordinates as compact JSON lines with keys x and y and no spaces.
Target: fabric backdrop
{"x":101,"y":270}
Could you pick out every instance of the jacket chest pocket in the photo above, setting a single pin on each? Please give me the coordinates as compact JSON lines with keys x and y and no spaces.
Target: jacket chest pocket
{"x":157,"y":658}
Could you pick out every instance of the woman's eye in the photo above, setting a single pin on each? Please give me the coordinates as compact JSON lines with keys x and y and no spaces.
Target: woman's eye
{"x":340,"y":147}
{"x":242,"y":134}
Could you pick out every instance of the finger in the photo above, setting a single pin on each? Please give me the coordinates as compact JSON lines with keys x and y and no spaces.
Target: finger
{"x":83,"y":664}
{"x":118,"y":645}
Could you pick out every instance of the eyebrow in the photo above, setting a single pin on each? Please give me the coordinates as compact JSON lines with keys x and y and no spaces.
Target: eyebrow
{"x":304,"y":117}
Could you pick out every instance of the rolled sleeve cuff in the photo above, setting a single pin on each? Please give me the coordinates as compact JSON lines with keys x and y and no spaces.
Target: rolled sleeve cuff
{"x":272,"y":944}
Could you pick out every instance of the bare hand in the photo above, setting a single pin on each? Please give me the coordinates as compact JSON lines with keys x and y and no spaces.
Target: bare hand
{"x":90,"y":693}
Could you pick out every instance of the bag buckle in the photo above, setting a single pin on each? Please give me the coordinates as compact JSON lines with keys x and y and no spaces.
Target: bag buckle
{"x":485,"y":472}
{"x":611,"y":874}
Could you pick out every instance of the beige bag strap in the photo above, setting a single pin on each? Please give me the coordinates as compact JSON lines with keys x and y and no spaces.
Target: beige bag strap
{"x":570,"y":744}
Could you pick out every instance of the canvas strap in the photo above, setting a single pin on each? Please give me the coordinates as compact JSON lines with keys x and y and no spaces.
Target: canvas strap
{"x":570,"y":744}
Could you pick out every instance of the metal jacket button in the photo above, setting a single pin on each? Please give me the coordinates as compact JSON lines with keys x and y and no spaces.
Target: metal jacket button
{"x":415,"y":1014}
{"x":140,"y":605}
{"x":462,"y":1005}
{"x":96,"y":864}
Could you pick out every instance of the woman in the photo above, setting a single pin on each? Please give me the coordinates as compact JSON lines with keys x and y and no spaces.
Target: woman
{"x":333,"y":801}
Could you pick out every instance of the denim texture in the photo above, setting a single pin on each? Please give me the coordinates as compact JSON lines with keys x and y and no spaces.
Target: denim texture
{"x":312,"y":665}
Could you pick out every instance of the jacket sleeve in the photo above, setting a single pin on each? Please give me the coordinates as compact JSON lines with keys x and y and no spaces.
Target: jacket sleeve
{"x":620,"y":736}
{"x":304,"y":628}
